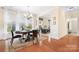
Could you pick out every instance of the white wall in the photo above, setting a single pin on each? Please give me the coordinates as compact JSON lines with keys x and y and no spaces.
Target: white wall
{"x":54,"y":27}
{"x":60,"y":28}
{"x":53,"y":30}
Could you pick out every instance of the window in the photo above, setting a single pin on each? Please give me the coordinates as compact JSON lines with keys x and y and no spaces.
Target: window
{"x":16,"y":21}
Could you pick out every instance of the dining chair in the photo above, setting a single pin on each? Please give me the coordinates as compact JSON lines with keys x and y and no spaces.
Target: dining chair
{"x":15,"y":36}
{"x":32,"y":35}
{"x":35,"y":35}
{"x":29,"y":36}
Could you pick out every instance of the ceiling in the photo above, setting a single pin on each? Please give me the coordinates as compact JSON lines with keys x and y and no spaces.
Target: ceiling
{"x":71,"y":8}
{"x":39,"y":10}
{"x":43,"y":10}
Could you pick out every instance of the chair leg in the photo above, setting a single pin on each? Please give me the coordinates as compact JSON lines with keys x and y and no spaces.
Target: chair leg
{"x":33,"y":40}
{"x":37,"y":40}
{"x":12,"y":41}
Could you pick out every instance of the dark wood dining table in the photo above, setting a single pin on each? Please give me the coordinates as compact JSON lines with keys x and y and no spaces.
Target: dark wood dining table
{"x":23,"y":33}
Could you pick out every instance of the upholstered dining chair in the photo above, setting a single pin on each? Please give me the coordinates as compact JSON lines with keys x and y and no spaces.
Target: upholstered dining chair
{"x":15,"y":36}
{"x":29,"y":36}
{"x":32,"y":35}
{"x":35,"y":35}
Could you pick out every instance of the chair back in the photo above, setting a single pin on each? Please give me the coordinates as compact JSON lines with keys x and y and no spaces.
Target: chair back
{"x":35,"y":33}
{"x":12,"y":33}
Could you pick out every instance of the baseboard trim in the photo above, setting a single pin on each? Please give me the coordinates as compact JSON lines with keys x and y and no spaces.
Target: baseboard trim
{"x":59,"y":37}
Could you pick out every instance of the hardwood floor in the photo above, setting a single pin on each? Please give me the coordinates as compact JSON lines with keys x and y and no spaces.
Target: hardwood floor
{"x":2,"y":45}
{"x":68,"y":43}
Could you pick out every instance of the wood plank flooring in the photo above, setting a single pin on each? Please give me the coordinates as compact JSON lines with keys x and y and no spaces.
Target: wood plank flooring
{"x":2,"y":45}
{"x":68,"y":43}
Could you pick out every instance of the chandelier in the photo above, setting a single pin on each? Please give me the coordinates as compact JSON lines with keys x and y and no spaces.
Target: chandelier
{"x":28,"y":13}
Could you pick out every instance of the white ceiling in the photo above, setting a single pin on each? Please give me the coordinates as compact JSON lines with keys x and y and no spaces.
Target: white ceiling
{"x":39,"y":10}
{"x":71,"y":8}
{"x":43,"y":10}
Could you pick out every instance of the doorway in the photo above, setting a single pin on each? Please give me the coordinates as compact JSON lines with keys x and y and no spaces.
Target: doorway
{"x":73,"y":26}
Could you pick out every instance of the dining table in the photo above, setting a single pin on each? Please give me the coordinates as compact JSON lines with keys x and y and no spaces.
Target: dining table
{"x":24,"y":34}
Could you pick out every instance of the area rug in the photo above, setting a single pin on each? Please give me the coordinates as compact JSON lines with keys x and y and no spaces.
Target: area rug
{"x":16,"y":45}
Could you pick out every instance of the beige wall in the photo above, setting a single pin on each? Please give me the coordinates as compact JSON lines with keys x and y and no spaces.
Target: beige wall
{"x":62,"y":23}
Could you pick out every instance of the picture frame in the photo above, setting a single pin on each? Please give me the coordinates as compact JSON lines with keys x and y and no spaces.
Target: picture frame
{"x":54,"y":20}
